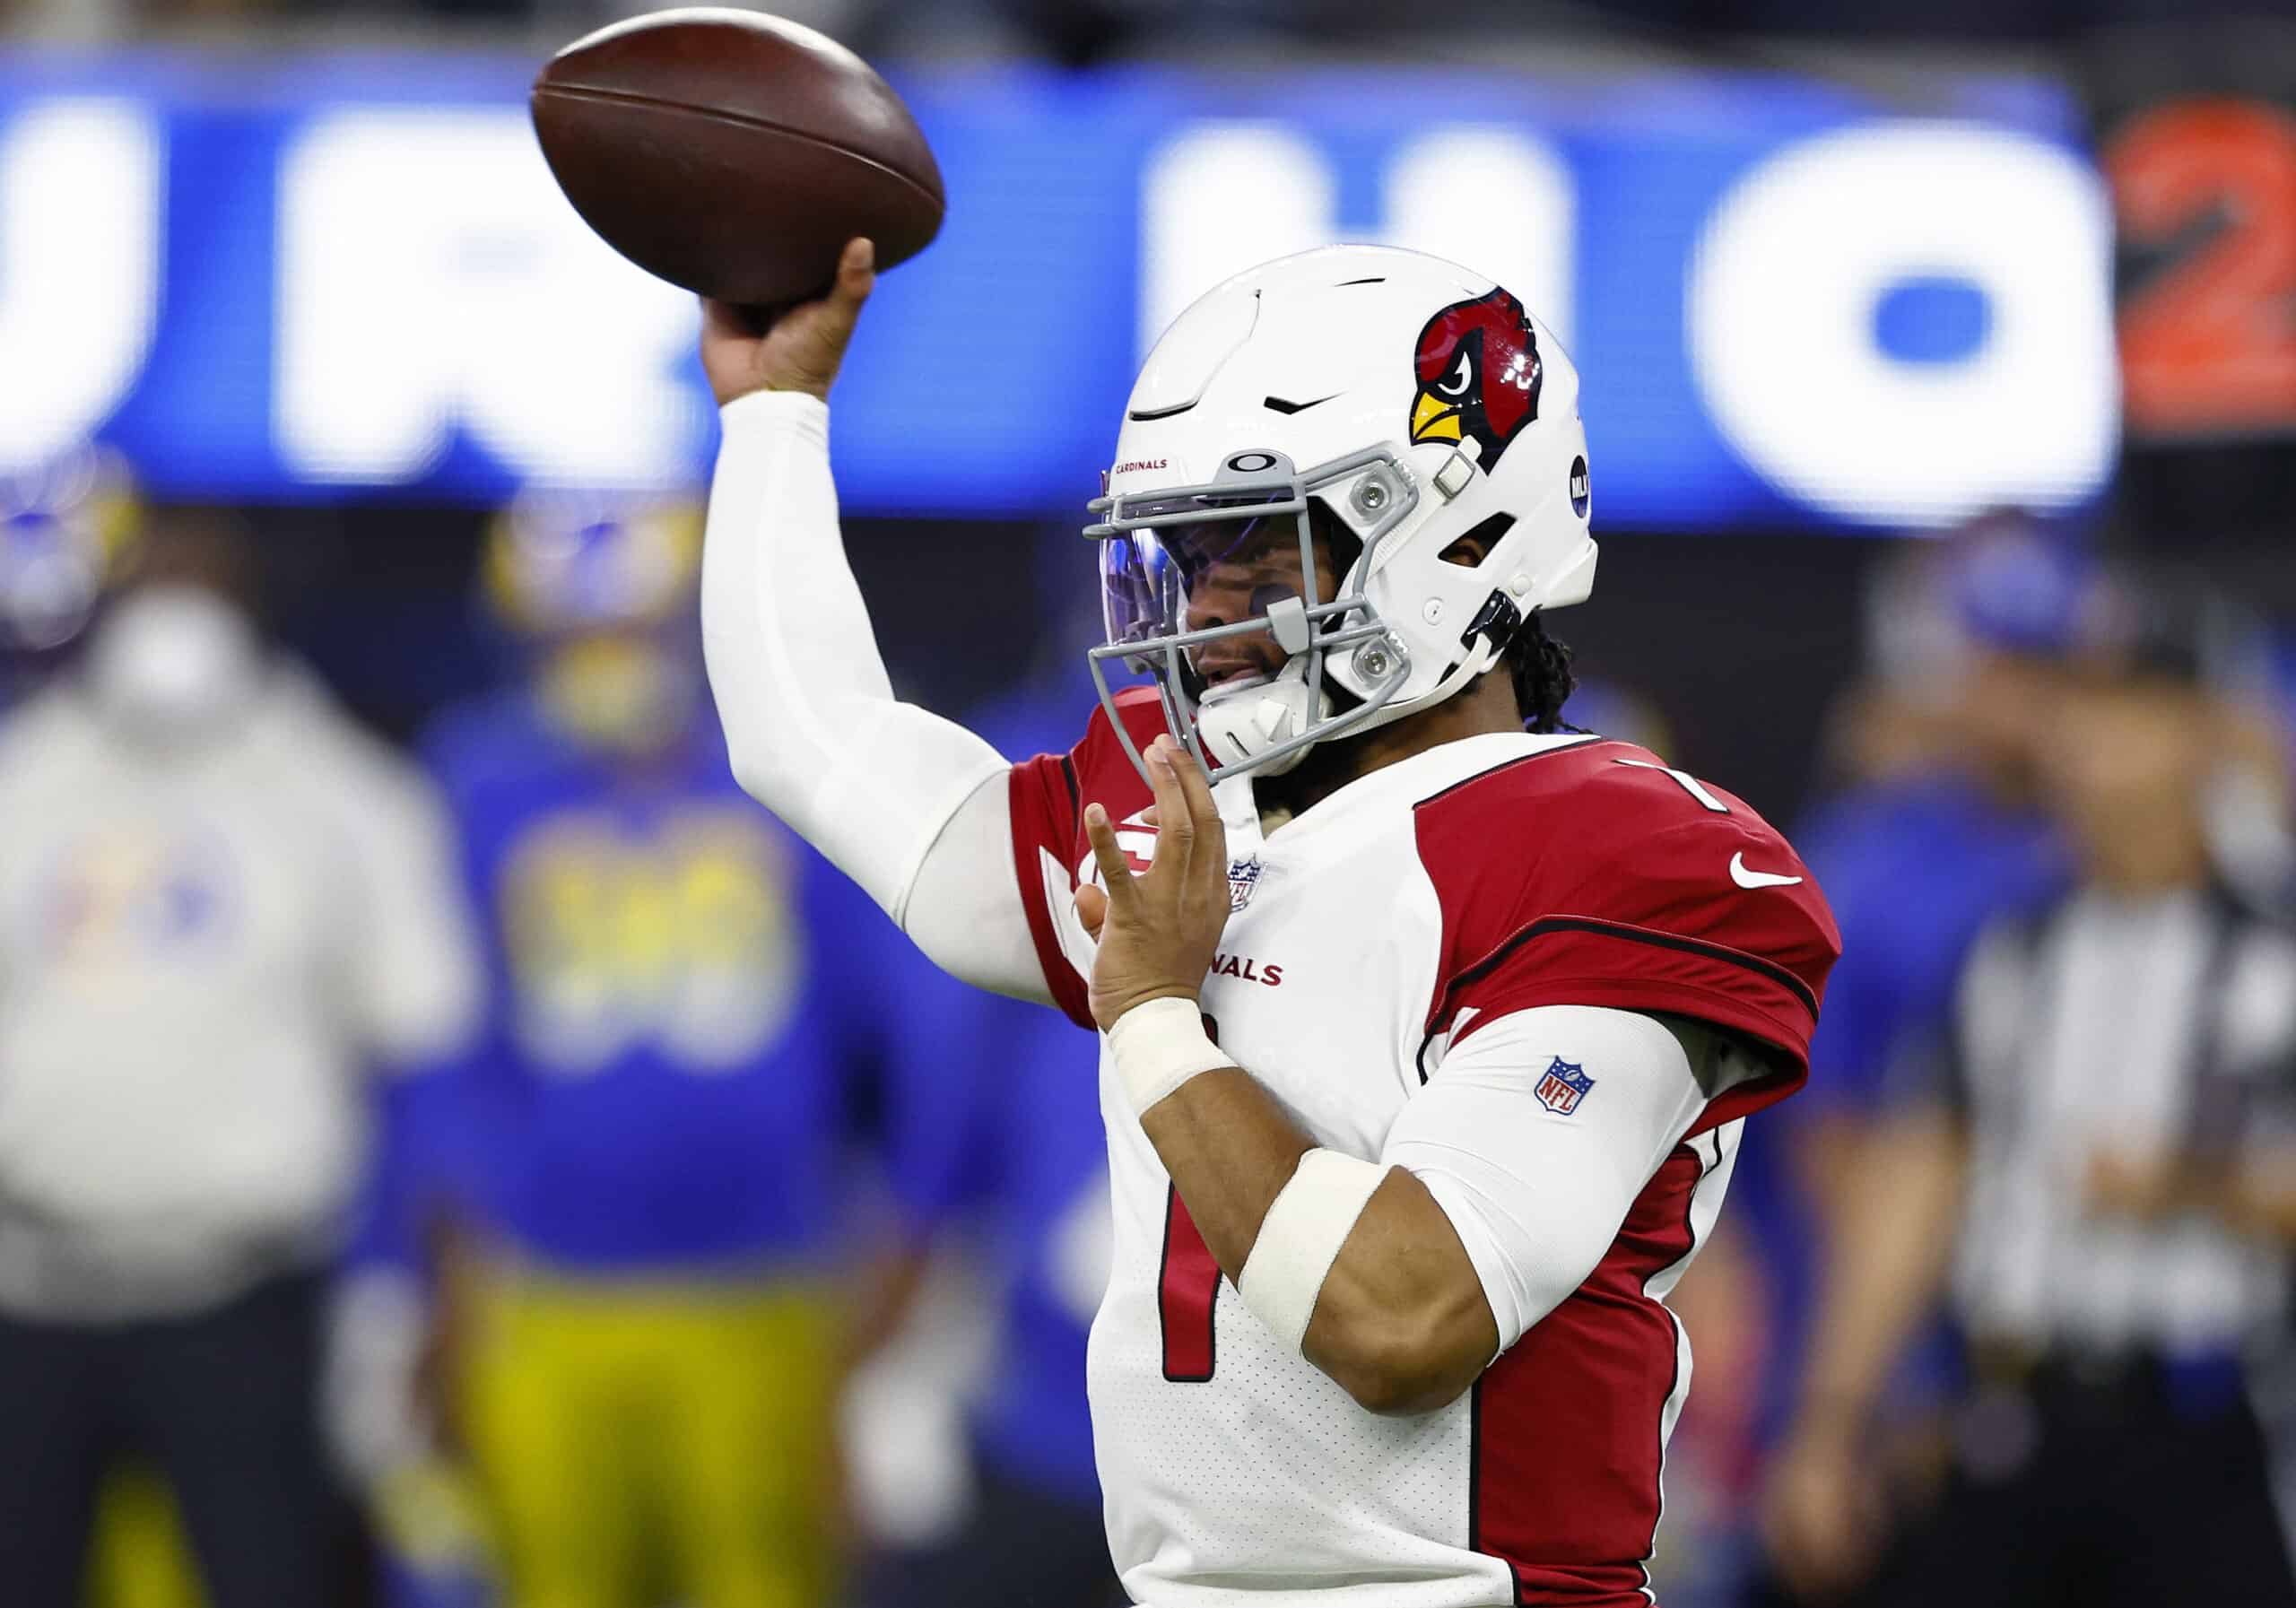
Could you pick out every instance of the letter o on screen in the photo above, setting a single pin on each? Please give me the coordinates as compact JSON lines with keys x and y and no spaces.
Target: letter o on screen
{"x":1784,"y":343}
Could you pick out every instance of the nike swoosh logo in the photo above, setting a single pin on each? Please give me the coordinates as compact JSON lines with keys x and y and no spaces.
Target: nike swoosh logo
{"x":1278,"y":405}
{"x":1757,"y":879}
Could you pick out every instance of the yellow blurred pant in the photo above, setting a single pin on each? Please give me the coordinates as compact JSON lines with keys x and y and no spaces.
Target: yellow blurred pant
{"x":641,"y":1442}
{"x":139,"y":1558}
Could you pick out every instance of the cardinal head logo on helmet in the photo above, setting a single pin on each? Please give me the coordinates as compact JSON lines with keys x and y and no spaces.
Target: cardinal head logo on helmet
{"x":1479,"y":375}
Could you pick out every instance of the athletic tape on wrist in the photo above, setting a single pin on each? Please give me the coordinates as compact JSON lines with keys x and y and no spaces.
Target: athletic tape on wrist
{"x":1300,"y":1239}
{"x":1159,"y":1046}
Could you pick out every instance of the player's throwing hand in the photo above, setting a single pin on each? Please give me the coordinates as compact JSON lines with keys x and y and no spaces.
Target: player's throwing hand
{"x":1157,"y":931}
{"x":800,"y":347}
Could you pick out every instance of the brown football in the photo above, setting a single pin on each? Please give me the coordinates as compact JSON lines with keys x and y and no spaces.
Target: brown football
{"x":734,"y":153}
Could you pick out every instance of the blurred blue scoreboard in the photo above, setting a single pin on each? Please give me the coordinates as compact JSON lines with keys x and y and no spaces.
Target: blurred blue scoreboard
{"x":307,"y":277}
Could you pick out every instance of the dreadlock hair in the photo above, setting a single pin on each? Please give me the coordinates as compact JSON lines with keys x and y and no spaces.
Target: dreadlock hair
{"x":1540,"y":669}
{"x":1539,"y":666}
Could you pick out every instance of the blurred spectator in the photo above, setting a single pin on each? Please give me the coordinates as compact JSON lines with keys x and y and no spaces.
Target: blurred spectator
{"x":68,"y":529}
{"x":638,"y":1338}
{"x":226,"y":905}
{"x":2089,"y":1152}
{"x":1937,"y":830}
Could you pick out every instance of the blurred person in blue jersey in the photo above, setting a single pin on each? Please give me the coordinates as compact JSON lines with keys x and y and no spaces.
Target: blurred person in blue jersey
{"x":2094,"y":1140}
{"x":229,"y":906}
{"x":639,"y":1334}
{"x":1936,"y":829}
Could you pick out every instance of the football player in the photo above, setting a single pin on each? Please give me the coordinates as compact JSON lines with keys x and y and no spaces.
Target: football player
{"x":636,"y":1339}
{"x":1429,"y":1024}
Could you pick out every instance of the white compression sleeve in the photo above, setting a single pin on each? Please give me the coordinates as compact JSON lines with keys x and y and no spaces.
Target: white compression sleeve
{"x":812,"y":725}
{"x":1537,"y":1196}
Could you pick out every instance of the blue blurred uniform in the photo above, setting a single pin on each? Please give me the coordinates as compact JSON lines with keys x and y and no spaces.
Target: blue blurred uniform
{"x":1023,"y":1084}
{"x":1920,"y":865}
{"x":686,"y":996}
{"x":693,"y":1015}
{"x":1044,"y":1184}
{"x":1914,"y":869}
{"x":1046,"y":1219}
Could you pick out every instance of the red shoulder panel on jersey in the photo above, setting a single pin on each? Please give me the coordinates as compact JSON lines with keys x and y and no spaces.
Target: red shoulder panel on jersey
{"x":1048,"y":794}
{"x":1594,"y":875}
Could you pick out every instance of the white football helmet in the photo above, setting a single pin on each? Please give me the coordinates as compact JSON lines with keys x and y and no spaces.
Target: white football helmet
{"x":1389,"y":400}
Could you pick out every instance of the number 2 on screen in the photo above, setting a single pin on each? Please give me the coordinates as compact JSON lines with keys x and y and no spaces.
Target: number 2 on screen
{"x":2208,"y":346}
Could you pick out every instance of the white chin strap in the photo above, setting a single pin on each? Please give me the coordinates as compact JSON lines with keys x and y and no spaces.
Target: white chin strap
{"x":1236,"y":724}
{"x":1240,"y":724}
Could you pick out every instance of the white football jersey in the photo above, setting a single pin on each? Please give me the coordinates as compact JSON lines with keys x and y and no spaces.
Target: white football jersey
{"x":1396,"y":916}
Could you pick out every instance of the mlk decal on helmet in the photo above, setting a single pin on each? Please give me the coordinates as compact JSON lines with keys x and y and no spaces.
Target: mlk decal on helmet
{"x":1479,"y":376}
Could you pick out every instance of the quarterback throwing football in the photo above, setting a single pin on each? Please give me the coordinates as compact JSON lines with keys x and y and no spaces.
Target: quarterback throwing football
{"x":1430,"y":1024}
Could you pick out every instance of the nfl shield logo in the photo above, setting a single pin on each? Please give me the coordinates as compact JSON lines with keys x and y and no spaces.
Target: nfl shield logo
{"x":1563,"y":1086}
{"x":1243,"y":882}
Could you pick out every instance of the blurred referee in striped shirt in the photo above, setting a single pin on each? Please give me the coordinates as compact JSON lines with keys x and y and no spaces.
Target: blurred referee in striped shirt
{"x":2096,"y":1153}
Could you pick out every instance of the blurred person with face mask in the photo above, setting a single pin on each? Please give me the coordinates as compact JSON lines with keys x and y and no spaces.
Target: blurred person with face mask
{"x":2089,"y":1145}
{"x":1937,"y":829}
{"x":225,"y":906}
{"x":633,"y":1218}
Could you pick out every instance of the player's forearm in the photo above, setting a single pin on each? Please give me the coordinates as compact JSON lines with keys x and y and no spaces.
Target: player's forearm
{"x":2262,"y":1197}
{"x":1400,"y":1320}
{"x":2254,"y":1196}
{"x":1230,"y":1148}
{"x":812,"y":725}
{"x":1346,"y":1261}
{"x":1890,"y":1245}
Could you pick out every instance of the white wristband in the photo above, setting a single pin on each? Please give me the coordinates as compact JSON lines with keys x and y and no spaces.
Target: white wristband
{"x":1159,"y":1046}
{"x":1300,"y":1239}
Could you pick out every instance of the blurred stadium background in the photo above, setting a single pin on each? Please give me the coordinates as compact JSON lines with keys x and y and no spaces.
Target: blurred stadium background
{"x":1901,"y":327}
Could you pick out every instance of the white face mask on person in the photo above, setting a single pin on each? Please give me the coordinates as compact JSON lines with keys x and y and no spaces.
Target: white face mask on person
{"x":174,"y":657}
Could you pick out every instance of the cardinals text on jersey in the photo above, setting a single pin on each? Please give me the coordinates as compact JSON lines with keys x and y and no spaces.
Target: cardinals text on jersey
{"x":1404,"y":913}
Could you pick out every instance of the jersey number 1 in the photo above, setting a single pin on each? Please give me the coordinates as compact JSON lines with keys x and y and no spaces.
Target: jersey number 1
{"x":1186,"y":1288}
{"x":1685,"y":781}
{"x":1186,"y":1285}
